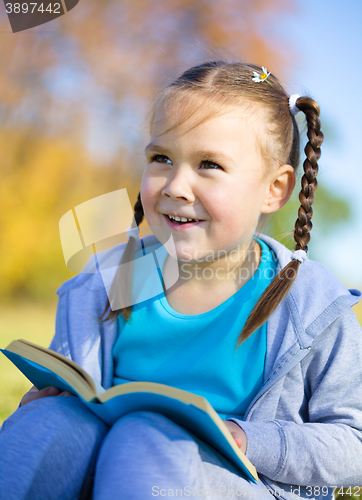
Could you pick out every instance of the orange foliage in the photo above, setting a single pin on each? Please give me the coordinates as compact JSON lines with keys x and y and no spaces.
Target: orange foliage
{"x":100,"y":63}
{"x":41,"y":180}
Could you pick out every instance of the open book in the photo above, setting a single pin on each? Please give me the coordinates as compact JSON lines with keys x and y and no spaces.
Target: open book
{"x":44,"y":367}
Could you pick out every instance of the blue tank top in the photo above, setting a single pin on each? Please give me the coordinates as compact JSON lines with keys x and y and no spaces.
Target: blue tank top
{"x":196,"y":352}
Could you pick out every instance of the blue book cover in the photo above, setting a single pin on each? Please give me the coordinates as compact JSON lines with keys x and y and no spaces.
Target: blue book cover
{"x":44,"y":367}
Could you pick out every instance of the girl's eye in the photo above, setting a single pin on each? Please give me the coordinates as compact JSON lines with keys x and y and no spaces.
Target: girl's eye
{"x":211,"y":164}
{"x":160,"y":159}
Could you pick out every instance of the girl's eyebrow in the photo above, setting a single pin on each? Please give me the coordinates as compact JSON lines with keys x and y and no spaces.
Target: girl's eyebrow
{"x":216,"y":155}
{"x":152,"y":146}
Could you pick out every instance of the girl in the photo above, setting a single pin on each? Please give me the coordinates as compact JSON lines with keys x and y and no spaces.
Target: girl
{"x":284,"y":375}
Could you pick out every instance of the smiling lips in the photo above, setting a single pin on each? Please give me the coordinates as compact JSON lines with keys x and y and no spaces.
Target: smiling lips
{"x":175,"y":221}
{"x":181,"y":219}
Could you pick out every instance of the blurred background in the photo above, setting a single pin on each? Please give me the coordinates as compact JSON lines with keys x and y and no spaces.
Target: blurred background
{"x":75,"y":94}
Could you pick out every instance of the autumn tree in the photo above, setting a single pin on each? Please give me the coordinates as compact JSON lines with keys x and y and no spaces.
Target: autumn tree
{"x":74,"y":96}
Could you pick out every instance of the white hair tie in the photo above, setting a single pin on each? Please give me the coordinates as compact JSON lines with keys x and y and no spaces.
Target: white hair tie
{"x":300,"y":255}
{"x":134,"y":232}
{"x":293,"y":108}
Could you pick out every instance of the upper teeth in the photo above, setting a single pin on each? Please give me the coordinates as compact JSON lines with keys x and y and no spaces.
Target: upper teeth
{"x":182,"y":219}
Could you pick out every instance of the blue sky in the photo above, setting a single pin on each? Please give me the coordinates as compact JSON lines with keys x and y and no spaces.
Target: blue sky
{"x":326,"y":36}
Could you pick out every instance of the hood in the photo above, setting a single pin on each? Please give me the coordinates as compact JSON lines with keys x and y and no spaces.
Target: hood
{"x":316,"y":299}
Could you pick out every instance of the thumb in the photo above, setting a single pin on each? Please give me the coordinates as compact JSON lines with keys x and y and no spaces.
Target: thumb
{"x":237,"y":439}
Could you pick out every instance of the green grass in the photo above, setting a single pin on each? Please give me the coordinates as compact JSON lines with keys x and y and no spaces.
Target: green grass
{"x":29,"y":322}
{"x":351,"y":493}
{"x":358,"y":311}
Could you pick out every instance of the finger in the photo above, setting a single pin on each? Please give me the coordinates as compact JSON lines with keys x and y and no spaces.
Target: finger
{"x":66,"y":393}
{"x":237,"y":440}
{"x":34,"y":394}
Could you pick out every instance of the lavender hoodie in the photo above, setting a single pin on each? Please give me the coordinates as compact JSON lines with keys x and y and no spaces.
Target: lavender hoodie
{"x":304,"y":427}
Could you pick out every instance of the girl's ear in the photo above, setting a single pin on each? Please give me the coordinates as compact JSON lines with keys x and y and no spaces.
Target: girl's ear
{"x":280,"y":189}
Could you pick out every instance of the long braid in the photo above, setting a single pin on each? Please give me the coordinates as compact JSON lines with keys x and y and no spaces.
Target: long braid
{"x":303,"y":224}
{"x":121,"y":285}
{"x":281,"y":284}
{"x":138,"y":210}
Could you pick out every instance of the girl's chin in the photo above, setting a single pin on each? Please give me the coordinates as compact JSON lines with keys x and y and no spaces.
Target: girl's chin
{"x":189,"y":256}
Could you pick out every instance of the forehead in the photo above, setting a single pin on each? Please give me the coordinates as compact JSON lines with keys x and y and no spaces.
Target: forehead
{"x":187,"y":115}
{"x":233,"y":127}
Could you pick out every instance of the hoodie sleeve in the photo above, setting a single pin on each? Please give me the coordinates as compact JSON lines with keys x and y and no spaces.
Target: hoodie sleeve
{"x":326,"y":449}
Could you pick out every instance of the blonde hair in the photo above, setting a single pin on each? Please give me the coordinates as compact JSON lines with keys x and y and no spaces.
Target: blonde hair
{"x":214,"y":87}
{"x":225,"y":85}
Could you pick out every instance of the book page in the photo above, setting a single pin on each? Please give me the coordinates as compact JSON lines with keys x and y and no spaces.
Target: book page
{"x":67,"y":369}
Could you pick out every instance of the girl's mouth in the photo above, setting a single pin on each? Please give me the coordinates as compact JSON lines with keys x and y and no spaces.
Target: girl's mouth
{"x":181,"y":225}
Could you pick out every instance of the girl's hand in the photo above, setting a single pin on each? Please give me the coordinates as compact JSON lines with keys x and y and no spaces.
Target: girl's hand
{"x":46,"y":392}
{"x":238,"y":434}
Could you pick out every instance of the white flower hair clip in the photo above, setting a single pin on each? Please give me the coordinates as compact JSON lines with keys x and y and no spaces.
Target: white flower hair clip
{"x":263,"y":77}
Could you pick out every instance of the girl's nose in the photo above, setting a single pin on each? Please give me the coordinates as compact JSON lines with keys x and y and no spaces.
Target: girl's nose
{"x":179,"y":188}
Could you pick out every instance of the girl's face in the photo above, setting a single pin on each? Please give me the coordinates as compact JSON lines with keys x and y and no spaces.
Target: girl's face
{"x":214,"y":173}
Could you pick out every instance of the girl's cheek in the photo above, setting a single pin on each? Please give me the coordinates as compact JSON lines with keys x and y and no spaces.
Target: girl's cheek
{"x":146,"y":193}
{"x":215,"y":200}
{"x":150,"y":187}
{"x":149,"y":197}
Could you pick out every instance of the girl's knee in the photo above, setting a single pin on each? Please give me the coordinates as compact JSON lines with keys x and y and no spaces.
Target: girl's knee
{"x":60,"y":414}
{"x":146,"y":446}
{"x":154,"y":434}
{"x":149,"y":421}
{"x":52,"y":444}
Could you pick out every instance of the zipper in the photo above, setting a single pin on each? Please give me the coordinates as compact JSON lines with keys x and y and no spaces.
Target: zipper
{"x":270,"y":489}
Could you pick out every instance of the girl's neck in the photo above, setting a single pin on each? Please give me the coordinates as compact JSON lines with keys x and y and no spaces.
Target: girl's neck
{"x":226,"y":273}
